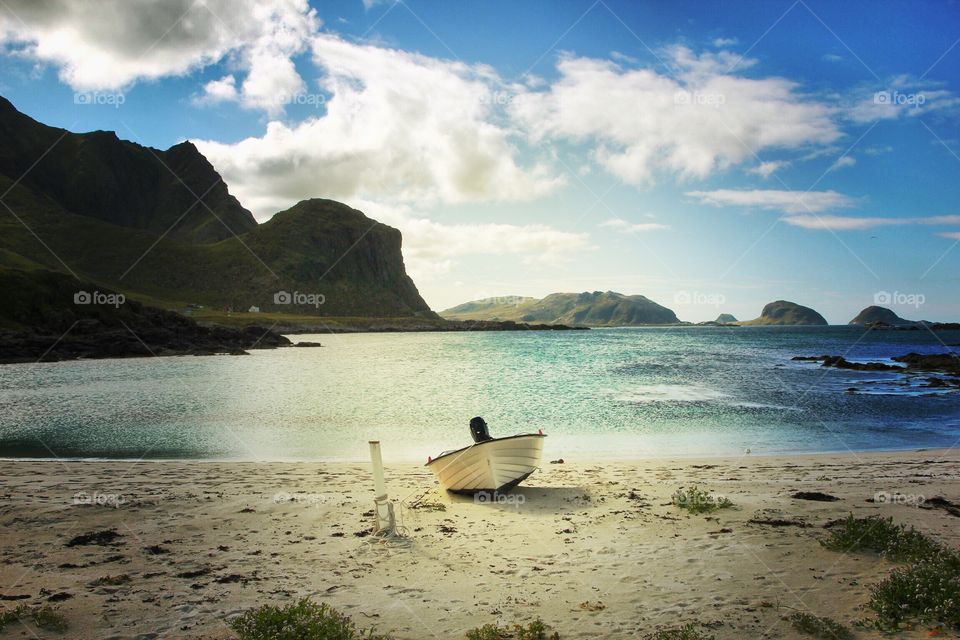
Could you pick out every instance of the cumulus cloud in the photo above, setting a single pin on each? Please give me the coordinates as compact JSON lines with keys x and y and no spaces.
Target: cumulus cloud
{"x":691,"y":122}
{"x":630,"y":227}
{"x":111,"y":44}
{"x":774,"y":199}
{"x":398,"y":127}
{"x":431,"y":248}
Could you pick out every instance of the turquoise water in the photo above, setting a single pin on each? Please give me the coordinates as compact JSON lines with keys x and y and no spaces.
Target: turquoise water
{"x":610,"y":393}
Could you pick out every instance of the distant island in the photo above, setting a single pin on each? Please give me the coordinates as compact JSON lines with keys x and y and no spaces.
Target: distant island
{"x":874,"y":314}
{"x":783,"y":312}
{"x":592,"y":309}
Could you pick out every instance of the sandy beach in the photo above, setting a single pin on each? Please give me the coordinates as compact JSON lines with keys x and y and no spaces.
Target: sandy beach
{"x":595,"y":550}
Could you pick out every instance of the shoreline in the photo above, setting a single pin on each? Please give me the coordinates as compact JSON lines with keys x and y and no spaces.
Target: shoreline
{"x":723,"y":457}
{"x":594,"y":548}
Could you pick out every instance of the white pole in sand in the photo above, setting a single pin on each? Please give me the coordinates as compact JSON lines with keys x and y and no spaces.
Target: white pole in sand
{"x":385,"y":522}
{"x":379,"y":486}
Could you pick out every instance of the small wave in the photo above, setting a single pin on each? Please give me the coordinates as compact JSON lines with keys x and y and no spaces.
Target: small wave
{"x":670,"y":393}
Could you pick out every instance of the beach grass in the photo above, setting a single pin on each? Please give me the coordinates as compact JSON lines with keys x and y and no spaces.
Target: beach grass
{"x":42,"y":617}
{"x":303,"y":620}
{"x":820,"y":627}
{"x":926,"y":590}
{"x":535,"y":630}
{"x":696,"y":500}
{"x":688,"y":631}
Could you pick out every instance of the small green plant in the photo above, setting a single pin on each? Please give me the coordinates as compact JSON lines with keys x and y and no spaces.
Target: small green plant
{"x":696,"y":500}
{"x":303,"y":620}
{"x":926,"y":591}
{"x":880,"y":535}
{"x":822,"y":628}
{"x":43,"y":617}
{"x":536,"y":630}
{"x":688,"y":631}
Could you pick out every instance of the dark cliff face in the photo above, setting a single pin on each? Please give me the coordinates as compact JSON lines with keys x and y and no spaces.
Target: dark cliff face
{"x":101,"y":176}
{"x":128,"y":217}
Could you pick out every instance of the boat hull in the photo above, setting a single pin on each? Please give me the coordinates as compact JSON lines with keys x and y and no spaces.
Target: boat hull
{"x":495,"y":465}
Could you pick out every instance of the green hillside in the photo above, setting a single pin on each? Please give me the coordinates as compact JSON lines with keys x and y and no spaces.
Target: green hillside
{"x":128,"y":218}
{"x":596,"y":309}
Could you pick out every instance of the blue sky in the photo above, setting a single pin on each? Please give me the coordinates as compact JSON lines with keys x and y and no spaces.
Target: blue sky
{"x":712,"y":156}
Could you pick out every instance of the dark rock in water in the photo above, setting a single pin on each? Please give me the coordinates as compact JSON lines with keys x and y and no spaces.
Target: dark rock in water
{"x":817,"y":496}
{"x":809,"y":358}
{"x":307,"y":344}
{"x":842,"y":363}
{"x":939,"y":362}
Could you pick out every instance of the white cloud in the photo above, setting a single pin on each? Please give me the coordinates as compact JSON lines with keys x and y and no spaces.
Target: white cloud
{"x":773,"y":199}
{"x":630,"y":227}
{"x":112,"y":44}
{"x":768,"y":168}
{"x":850,"y":223}
{"x":840,"y":223}
{"x":399,"y":127}
{"x":953,"y":235}
{"x":431,"y":248}
{"x":222,"y":90}
{"x":843,"y":162}
{"x":724,"y":42}
{"x":831,"y":57}
{"x":902,"y":96}
{"x":697,"y":120}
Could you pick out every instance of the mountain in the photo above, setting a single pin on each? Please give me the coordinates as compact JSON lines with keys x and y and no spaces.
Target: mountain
{"x":162,"y":227}
{"x":875,"y":314}
{"x":783,"y":312}
{"x":725,"y":318}
{"x":596,"y":309}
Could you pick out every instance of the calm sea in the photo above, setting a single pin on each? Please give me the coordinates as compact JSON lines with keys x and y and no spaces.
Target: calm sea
{"x":600,"y":394}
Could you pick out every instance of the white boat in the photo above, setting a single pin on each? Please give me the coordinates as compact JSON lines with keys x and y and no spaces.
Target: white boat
{"x":494,"y":465}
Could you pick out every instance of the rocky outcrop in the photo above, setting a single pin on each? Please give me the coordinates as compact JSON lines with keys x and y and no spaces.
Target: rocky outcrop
{"x":879,"y":317}
{"x":783,"y":312}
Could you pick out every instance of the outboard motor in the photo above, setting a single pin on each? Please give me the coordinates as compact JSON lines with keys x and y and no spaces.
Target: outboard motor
{"x":478,"y":429}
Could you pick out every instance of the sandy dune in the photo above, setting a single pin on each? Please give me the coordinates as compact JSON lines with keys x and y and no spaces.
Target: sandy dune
{"x":595,"y":550}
